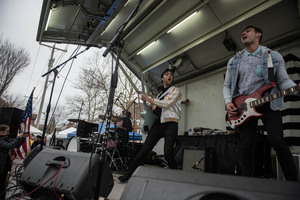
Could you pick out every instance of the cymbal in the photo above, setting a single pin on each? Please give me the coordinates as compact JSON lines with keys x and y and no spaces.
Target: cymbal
{"x":76,"y":120}
{"x":102,"y":117}
{"x":116,"y":118}
{"x":113,"y":118}
{"x":115,"y":129}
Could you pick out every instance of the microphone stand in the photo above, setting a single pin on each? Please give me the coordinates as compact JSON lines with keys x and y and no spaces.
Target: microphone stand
{"x":120,"y":30}
{"x":55,"y":71}
{"x":118,"y":43}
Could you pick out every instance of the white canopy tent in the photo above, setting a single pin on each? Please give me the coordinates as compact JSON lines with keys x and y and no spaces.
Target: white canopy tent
{"x":64,"y":133}
{"x":35,"y":131}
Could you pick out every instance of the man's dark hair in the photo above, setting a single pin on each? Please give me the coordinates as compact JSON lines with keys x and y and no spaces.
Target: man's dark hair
{"x":257,"y":30}
{"x":165,"y":71}
{"x":128,"y":113}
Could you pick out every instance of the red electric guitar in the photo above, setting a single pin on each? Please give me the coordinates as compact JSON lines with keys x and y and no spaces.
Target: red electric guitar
{"x":246,"y":104}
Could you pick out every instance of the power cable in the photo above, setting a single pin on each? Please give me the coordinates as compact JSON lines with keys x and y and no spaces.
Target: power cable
{"x":34,"y":65}
{"x":75,"y":52}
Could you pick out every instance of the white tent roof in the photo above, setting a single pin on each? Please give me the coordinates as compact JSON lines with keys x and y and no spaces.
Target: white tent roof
{"x":35,"y":131}
{"x":64,"y":133}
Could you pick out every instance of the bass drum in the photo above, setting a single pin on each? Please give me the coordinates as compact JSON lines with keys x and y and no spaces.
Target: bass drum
{"x":77,"y":144}
{"x":73,"y":144}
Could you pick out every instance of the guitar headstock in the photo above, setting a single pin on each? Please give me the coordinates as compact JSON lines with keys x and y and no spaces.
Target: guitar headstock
{"x":146,"y":76}
{"x":146,"y":82}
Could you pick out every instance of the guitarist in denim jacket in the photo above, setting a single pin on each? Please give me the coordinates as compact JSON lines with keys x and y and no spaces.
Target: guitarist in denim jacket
{"x":246,"y":72}
{"x":167,"y":110}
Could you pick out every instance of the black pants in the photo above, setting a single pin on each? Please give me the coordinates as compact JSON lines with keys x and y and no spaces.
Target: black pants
{"x":169,"y":132}
{"x":3,"y":176}
{"x":273,"y":124}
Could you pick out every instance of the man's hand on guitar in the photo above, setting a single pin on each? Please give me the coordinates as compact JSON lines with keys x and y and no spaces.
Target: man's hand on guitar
{"x":145,"y":97}
{"x":231,"y":109}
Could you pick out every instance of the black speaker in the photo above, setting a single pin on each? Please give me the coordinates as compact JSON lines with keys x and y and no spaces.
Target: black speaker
{"x":11,"y":117}
{"x":150,"y":183}
{"x":200,"y":160}
{"x":84,"y":129}
{"x":76,"y":179}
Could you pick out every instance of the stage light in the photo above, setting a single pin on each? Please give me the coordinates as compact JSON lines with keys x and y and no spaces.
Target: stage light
{"x":146,"y":48}
{"x":182,"y":22}
{"x":48,"y":20}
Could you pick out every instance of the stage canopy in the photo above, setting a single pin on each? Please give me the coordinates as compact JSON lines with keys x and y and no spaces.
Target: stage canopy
{"x":206,"y":32}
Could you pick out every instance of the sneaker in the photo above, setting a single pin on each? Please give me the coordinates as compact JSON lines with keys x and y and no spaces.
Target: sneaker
{"x":123,"y":179}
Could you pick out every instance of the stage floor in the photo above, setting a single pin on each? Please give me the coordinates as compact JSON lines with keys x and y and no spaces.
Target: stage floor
{"x":117,"y":190}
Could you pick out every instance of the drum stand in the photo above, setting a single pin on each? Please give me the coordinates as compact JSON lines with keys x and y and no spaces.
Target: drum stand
{"x":115,"y":158}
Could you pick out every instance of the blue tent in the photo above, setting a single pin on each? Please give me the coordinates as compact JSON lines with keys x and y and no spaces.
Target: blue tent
{"x":71,"y":135}
{"x":137,"y":136}
{"x":103,"y":127}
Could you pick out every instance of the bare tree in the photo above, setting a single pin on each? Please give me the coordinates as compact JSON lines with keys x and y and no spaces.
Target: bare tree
{"x":11,"y":100}
{"x":58,"y":116}
{"x":12,"y":61}
{"x":125,"y":90}
{"x":94,"y":86}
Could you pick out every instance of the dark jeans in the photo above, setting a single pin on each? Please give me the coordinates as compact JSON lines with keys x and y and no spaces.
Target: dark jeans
{"x":169,"y":132}
{"x":273,"y":124}
{"x":3,"y":176}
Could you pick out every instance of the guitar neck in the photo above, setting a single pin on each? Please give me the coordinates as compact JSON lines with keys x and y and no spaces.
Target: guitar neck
{"x":271,"y":97}
{"x":143,"y":88}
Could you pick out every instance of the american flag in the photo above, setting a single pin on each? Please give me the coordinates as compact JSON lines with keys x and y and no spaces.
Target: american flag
{"x":24,"y":126}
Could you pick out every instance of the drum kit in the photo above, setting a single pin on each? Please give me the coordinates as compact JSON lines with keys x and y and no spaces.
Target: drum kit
{"x":114,"y":158}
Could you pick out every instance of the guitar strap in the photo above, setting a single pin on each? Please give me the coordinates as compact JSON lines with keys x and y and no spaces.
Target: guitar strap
{"x":271,"y":70}
{"x":161,"y":96}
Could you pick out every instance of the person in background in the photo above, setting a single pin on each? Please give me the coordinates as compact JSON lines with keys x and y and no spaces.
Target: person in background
{"x":5,"y":146}
{"x":126,"y":125}
{"x":60,"y":145}
{"x":123,"y":136}
{"x":167,"y":110}
{"x":37,"y":142}
{"x":31,"y":139}
{"x":247,"y":72}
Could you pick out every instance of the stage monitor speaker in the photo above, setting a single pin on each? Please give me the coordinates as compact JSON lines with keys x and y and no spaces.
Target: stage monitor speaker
{"x":280,"y":175}
{"x":11,"y":117}
{"x":76,"y":180}
{"x":148,"y":183}
{"x":201,"y":160}
{"x":85,"y":129}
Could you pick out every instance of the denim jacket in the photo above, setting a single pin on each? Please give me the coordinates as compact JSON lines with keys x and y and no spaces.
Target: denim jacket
{"x":282,"y":79}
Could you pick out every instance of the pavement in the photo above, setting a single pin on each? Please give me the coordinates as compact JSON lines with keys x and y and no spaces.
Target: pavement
{"x":117,"y":190}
